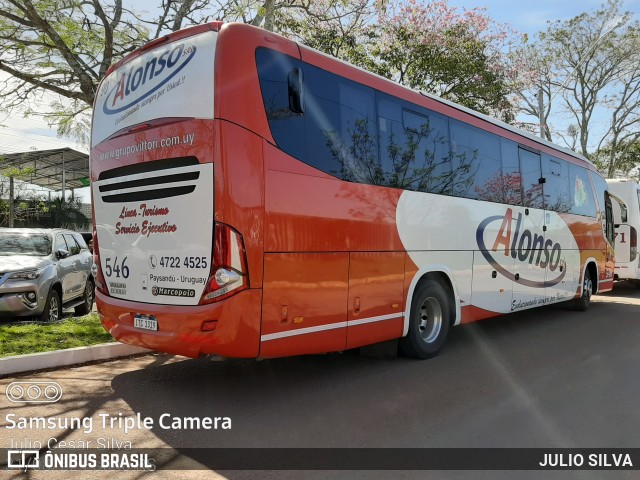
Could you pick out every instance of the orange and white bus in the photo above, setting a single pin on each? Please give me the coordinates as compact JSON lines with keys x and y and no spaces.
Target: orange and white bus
{"x":255,"y":198}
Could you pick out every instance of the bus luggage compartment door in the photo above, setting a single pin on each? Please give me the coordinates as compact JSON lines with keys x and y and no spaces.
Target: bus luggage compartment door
{"x":376,"y":289}
{"x":304,"y":306}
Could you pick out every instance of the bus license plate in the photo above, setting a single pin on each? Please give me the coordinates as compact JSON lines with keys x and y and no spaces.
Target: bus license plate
{"x":146,"y":322}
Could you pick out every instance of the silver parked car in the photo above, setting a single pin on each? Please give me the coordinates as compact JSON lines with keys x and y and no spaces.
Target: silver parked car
{"x":43,"y":271}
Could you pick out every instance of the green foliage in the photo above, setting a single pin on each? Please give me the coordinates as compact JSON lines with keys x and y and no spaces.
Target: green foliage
{"x":31,"y":210}
{"x":67,"y":214}
{"x":19,"y":339}
{"x":62,"y":47}
{"x":456,"y":68}
{"x":34,"y":211}
{"x":623,"y":161}
{"x":339,"y":30}
{"x":15,"y":172}
{"x":428,"y":47}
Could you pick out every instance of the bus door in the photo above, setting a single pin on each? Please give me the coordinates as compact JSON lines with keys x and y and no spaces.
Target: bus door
{"x":561,"y":253}
{"x":623,"y":242}
{"x":625,"y":234}
{"x":492,"y":280}
{"x":529,"y":237}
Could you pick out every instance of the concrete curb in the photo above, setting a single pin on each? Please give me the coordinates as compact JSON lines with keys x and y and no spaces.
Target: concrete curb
{"x":62,"y":358}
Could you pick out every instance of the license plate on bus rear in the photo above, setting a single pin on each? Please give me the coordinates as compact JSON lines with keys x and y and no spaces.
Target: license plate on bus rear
{"x":146,"y":322}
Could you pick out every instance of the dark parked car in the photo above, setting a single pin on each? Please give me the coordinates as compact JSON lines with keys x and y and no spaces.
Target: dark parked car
{"x":43,"y":271}
{"x":88,"y":238}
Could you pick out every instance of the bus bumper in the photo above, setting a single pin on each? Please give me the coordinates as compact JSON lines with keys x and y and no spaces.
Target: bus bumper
{"x":237,"y":332}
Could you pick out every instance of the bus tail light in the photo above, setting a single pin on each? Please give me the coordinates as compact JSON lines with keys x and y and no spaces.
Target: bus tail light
{"x":228,"y":274}
{"x":633,"y":243}
{"x":96,"y":271}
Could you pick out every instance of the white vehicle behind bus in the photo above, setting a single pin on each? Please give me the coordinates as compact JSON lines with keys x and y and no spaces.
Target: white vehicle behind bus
{"x":627,"y":225}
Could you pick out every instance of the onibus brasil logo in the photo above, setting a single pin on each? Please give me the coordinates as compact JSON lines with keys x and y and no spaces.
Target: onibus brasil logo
{"x":523,"y":245}
{"x":146,"y":76}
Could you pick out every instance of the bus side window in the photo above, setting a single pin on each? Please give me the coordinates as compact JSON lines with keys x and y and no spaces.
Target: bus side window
{"x":476,"y":161}
{"x":414,"y":146}
{"x":582,"y":201}
{"x":287,"y":126}
{"x":510,"y":183}
{"x":557,"y":191}
{"x":354,"y":145}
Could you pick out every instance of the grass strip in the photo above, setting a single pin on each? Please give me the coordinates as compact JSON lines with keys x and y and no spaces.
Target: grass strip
{"x":18,"y":338}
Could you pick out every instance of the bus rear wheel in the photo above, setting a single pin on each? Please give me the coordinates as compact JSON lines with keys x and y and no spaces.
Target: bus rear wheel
{"x":582,"y":303}
{"x":429,"y":321}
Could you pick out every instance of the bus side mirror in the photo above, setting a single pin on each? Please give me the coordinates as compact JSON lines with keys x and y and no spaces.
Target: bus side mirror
{"x":623,"y":213}
{"x":296,"y":91}
{"x":623,"y":206}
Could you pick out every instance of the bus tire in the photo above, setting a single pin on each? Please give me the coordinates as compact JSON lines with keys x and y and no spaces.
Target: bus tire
{"x":582,"y":304}
{"x":429,"y":321}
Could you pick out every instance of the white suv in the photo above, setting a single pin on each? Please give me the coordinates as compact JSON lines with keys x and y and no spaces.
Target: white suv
{"x":43,"y":271}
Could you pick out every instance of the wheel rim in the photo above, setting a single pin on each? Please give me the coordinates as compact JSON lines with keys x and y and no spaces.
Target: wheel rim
{"x":430,"y":319}
{"x":53,"y":309}
{"x":587,"y":288}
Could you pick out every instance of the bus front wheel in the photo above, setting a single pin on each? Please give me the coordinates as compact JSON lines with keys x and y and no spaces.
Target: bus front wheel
{"x":429,"y":321}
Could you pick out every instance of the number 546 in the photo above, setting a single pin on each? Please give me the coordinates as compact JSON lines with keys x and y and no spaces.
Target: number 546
{"x":117,"y":268}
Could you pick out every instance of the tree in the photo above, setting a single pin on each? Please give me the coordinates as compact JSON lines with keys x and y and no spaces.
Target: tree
{"x":67,"y":213}
{"x":55,"y":52}
{"x":62,"y":47}
{"x":340,"y":29}
{"x":458,"y":56}
{"x":535,"y":84}
{"x":621,"y":161}
{"x":294,"y":16}
{"x":589,"y":69}
{"x":8,"y":175}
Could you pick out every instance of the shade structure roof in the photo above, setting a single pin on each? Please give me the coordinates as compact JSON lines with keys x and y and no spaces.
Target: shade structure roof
{"x":58,"y":169}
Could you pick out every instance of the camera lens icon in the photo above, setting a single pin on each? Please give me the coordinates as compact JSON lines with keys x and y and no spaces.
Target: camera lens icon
{"x":34,"y":392}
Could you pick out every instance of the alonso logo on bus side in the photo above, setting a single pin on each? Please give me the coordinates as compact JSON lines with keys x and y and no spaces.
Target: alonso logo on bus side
{"x":129,"y":87}
{"x":524,"y":246}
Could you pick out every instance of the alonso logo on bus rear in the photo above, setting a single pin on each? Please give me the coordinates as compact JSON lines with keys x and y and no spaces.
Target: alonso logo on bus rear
{"x":172,"y":292}
{"x":523,"y":245}
{"x":145,"y":79}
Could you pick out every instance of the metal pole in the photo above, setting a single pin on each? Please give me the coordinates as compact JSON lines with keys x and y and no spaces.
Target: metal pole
{"x":11,"y":211}
{"x":64,"y":181}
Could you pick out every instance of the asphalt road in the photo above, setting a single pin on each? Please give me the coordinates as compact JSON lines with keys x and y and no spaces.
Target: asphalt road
{"x":547,"y":378}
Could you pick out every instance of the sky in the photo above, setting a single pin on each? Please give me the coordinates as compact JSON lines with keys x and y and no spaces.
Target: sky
{"x":18,"y":134}
{"x":531,"y":17}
